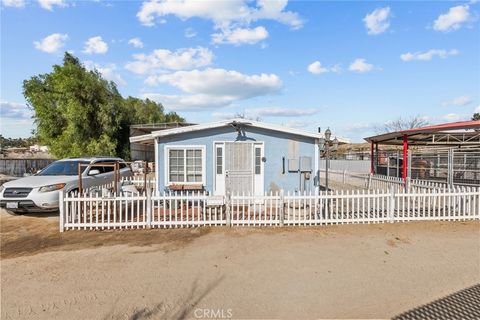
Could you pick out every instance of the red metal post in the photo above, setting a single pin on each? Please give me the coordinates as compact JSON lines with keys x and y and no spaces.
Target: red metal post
{"x":405,"y":157}
{"x":372,"y":168}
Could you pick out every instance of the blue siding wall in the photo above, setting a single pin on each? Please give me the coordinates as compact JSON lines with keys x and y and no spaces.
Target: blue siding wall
{"x":276,"y":146}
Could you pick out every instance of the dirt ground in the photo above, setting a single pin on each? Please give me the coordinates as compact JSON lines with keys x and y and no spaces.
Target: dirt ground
{"x":345,"y":271}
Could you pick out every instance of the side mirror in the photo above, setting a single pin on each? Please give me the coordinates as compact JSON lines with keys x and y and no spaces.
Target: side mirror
{"x":93,"y":172}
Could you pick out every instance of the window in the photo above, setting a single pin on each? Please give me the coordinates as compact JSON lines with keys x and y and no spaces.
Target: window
{"x":63,"y":168}
{"x":185,"y":165}
{"x":219,"y":161}
{"x":258,"y":160}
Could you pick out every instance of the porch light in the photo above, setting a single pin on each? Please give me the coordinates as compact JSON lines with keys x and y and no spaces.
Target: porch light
{"x":321,"y":144}
{"x":328,"y":134}
{"x":335,"y":144}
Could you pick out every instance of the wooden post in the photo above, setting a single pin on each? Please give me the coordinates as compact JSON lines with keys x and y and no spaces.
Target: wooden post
{"x":149,"y":207}
{"x":80,"y":185}
{"x":115,"y":186}
{"x":369,"y":183}
{"x":61,"y":205}
{"x":282,"y":208}
{"x":227,"y":209}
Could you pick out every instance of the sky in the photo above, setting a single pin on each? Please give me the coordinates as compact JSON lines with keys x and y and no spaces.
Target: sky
{"x":347,"y":65}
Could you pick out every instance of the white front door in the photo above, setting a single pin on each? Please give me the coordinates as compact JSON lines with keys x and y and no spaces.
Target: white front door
{"x":239,"y":167}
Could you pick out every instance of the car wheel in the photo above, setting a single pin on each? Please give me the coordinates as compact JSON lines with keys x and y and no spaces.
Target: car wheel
{"x":72,"y":192}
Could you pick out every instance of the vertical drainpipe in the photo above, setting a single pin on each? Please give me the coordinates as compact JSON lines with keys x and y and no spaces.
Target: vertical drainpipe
{"x":372,"y":168}
{"x":405,"y":157}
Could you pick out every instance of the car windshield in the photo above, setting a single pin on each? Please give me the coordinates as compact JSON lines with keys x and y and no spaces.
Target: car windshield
{"x":63,"y":168}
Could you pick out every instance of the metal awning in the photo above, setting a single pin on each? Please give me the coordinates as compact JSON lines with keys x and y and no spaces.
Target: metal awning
{"x":464,"y":133}
{"x":454,"y":134}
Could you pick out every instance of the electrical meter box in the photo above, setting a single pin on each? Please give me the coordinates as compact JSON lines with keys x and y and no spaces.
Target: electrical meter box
{"x":293,"y":165}
{"x":305,"y":164}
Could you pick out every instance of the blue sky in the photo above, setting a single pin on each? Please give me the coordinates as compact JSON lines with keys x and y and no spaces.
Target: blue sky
{"x":350,"y":66}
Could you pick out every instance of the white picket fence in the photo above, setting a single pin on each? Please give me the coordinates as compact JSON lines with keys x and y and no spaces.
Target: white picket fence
{"x":376,"y":181}
{"x":152,"y":210}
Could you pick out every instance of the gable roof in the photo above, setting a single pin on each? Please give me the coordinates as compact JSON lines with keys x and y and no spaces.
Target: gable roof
{"x":228,"y":123}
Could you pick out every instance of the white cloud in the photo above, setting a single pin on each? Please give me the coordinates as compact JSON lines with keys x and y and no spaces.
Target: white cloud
{"x":281,"y":112}
{"x":377,"y":21}
{"x":189,"y":102}
{"x":49,"y":4}
{"x":95,"y":45}
{"x":240,"y":36}
{"x":428,"y":55}
{"x":453,"y":19}
{"x":459,"y":101}
{"x":317,"y":68}
{"x":231,"y":18}
{"x":51,"y":43}
{"x":14,"y":3}
{"x":222,"y":13}
{"x":108,"y":72}
{"x":452,"y":117}
{"x":162,"y":59}
{"x":190,"y":33}
{"x":222,"y":83}
{"x":477,"y":109}
{"x":14,"y":110}
{"x":299,"y":124}
{"x":213,"y":88}
{"x":360,"y":65}
{"x":136,"y":42}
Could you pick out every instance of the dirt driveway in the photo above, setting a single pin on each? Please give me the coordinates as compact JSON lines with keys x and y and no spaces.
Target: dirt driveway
{"x":346,"y":271}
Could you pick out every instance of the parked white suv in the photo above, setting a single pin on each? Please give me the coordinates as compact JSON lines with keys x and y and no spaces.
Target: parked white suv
{"x":40,"y":192}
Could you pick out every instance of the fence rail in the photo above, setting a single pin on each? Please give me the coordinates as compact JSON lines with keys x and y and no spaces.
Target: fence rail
{"x":177,"y":210}
{"x":377,"y":181}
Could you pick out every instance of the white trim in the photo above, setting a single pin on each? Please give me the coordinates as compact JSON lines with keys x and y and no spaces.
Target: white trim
{"x":184,"y":147}
{"x":316,"y":152}
{"x":259,"y":179}
{"x":246,"y":123}
{"x":220,"y":144}
{"x":142,"y":138}
{"x":157,"y":171}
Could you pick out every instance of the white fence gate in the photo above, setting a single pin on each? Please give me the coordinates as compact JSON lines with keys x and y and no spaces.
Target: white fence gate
{"x":152,"y":210}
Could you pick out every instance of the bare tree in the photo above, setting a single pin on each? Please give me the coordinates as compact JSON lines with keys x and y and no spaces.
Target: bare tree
{"x":400,"y":124}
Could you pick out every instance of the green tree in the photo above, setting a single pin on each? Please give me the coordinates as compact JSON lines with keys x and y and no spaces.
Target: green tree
{"x":476,"y":116}
{"x":78,"y":113}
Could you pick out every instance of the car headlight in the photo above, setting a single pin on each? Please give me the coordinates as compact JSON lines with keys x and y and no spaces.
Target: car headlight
{"x":52,"y":187}
{"x":1,"y":188}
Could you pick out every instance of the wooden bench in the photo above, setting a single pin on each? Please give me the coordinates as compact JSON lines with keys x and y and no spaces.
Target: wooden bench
{"x":186,"y":187}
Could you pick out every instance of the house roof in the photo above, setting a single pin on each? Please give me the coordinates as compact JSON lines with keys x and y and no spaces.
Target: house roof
{"x":446,"y":134}
{"x":226,"y":123}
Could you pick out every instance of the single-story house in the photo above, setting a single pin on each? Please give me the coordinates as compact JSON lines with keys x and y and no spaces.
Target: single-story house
{"x":238,"y":155}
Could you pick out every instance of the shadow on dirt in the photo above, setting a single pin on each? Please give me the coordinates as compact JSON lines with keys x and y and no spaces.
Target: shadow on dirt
{"x":464,"y":304}
{"x":180,"y":310}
